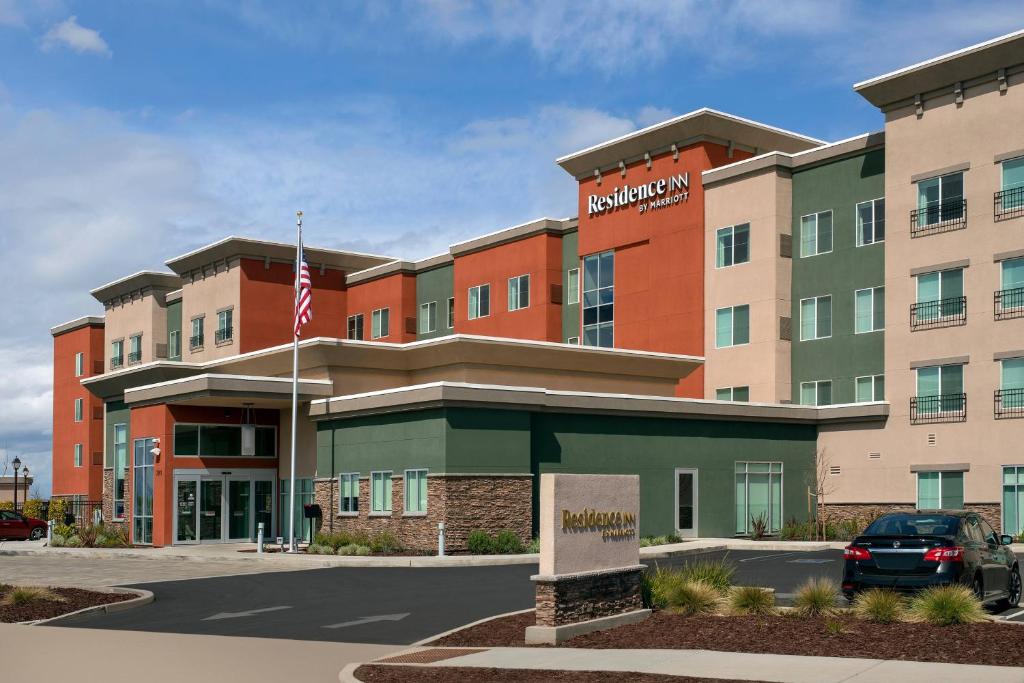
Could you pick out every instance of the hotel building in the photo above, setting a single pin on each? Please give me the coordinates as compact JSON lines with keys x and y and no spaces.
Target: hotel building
{"x":739,"y":314}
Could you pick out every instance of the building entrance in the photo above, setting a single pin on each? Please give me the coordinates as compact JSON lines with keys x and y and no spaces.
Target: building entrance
{"x":216,"y":508}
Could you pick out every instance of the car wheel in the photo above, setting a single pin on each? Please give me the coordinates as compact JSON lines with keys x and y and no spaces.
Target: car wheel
{"x":37,"y":533}
{"x":1013,"y":590}
{"x":979,"y":590}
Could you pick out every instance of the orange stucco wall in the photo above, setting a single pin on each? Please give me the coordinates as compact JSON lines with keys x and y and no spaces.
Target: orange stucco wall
{"x":659,"y":256}
{"x":86,"y":480}
{"x":396,"y":292}
{"x":267,"y":302}
{"x":540,"y":257}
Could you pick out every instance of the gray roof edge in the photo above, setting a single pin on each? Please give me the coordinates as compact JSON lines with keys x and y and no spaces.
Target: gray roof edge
{"x":153,"y":279}
{"x":84,"y":321}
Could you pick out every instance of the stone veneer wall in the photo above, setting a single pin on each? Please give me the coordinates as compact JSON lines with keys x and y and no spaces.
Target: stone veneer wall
{"x":569,"y":600}
{"x":463,"y":503}
{"x":108,"y":499}
{"x":837,"y":512}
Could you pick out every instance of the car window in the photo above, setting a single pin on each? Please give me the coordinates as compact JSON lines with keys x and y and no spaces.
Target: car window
{"x":7,"y":514}
{"x":988,"y":532}
{"x":974,"y":531}
{"x":909,"y":524}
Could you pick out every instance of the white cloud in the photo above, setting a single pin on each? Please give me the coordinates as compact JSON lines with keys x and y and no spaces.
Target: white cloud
{"x":11,"y":14}
{"x":72,"y":35}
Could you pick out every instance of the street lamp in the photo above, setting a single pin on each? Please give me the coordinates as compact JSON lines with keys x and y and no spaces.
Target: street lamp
{"x":24,"y":472}
{"x":17,"y":463}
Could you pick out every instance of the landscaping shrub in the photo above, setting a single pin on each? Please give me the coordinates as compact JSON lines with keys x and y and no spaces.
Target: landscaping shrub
{"x":88,"y":535}
{"x":64,"y":530}
{"x":6,"y":504}
{"x":507,"y":543}
{"x":480,"y":542}
{"x":796,"y":531}
{"x":385,"y":542}
{"x":349,"y":549}
{"x":691,"y":598}
{"x":849,"y":529}
{"x":111,"y":537}
{"x":751,"y":600}
{"x":73,"y":541}
{"x":658,"y":584}
{"x":834,"y":627}
{"x":816,"y":597}
{"x":758,"y":526}
{"x":332,"y":540}
{"x":362,"y":550}
{"x":58,"y":508}
{"x":534,"y":546}
{"x":716,"y":573}
{"x":33,"y":508}
{"x":57,"y":541}
{"x":946,"y":605}
{"x":319,"y":549}
{"x":647,"y":541}
{"x":24,"y":595}
{"x":879,"y":605}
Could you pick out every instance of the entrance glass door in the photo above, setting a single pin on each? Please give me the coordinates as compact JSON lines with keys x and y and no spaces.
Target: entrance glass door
{"x":686,"y":502}
{"x":238,"y":509}
{"x":186,"y":519}
{"x":264,"y":508}
{"x":211,"y":509}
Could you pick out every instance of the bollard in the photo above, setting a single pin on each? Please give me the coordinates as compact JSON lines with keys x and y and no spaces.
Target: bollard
{"x":49,"y":533}
{"x":259,"y":540}
{"x":440,"y":539}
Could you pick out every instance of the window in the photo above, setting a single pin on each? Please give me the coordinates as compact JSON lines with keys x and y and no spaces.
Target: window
{"x":870,"y":222}
{"x":355,"y":326}
{"x":1010,"y":398}
{"x":518,"y":292}
{"x":816,"y":234}
{"x":142,"y":491}
{"x":348,"y":493}
{"x":415,"y":491}
{"x":816,"y":393}
{"x":78,"y":410}
{"x":428,"y":317}
{"x":758,"y":495}
{"x":479,"y":301}
{"x":379,"y":321}
{"x":732,"y":326}
{"x":174,"y":344}
{"x":869,"y":305}
{"x":573,"y":286}
{"x":208,"y":440}
{"x":940,"y":294}
{"x":135,"y":348}
{"x":733,"y":245}
{"x":451,"y":312}
{"x":120,"y":467}
{"x":870,"y":388}
{"x":1013,"y":499}
{"x":940,"y":490}
{"x":599,"y":299}
{"x":1010,"y":296}
{"x":940,"y":199}
{"x":116,"y":353}
{"x":940,"y":388}
{"x":380,"y":492}
{"x":78,"y":455}
{"x":196,"y":340}
{"x":733,"y":394}
{"x":1010,"y":201}
{"x":79,"y":364}
{"x":224,"y":325}
{"x":816,"y":318}
{"x":573,"y":340}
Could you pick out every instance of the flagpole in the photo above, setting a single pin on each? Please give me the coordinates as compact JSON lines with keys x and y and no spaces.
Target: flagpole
{"x":292,"y":545}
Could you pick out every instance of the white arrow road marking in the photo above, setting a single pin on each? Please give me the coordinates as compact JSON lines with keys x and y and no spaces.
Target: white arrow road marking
{"x":247,"y":613}
{"x":368,"y":620}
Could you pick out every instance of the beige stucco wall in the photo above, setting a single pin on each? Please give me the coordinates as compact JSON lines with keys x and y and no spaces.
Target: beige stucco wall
{"x":765,"y":201}
{"x":143,"y":313}
{"x":305,"y":445}
{"x":987,"y":124}
{"x":218,"y":288}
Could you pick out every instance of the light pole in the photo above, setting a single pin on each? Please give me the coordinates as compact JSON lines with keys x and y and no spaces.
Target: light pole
{"x":17,"y":463}
{"x":24,"y":473}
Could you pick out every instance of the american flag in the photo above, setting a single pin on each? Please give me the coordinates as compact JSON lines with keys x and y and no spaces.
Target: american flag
{"x":304,"y":301}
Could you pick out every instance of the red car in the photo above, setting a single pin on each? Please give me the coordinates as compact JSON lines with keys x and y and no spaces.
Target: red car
{"x":20,"y":527}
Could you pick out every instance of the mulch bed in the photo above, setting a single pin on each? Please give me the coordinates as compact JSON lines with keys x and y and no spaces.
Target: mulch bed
{"x":985,"y":643}
{"x":376,"y":673}
{"x":74,"y":599}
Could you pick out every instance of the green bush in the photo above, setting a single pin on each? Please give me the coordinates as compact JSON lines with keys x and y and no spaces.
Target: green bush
{"x":88,"y":535}
{"x":319,"y":549}
{"x":816,"y":597}
{"x":64,"y":530}
{"x":657,"y":585}
{"x":796,"y":531}
{"x":57,"y":541}
{"x":111,"y":537}
{"x":758,"y":526}
{"x":879,"y":605}
{"x":946,"y":605}
{"x":480,"y":542}
{"x":751,"y":600}
{"x":534,"y":546}
{"x":363,"y":550}
{"x":73,"y":542}
{"x":716,"y":573}
{"x":507,"y":543}
{"x":691,"y":598}
{"x":385,"y":542}
{"x":349,"y":549}
{"x":6,"y":504}
{"x":332,"y":540}
{"x":33,"y":508}
{"x":58,"y":508}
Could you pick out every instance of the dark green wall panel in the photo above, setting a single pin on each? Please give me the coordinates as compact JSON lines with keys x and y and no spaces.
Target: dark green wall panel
{"x":437,"y":285}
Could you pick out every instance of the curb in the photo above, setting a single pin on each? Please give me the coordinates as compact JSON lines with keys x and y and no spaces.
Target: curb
{"x":348,"y":674}
{"x":430,"y":639}
{"x":144,"y":597}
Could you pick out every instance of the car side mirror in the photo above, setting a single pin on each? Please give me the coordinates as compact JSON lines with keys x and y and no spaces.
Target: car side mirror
{"x":1006,"y":539}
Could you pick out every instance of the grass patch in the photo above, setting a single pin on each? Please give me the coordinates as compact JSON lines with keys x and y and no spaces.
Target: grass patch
{"x":946,"y":606}
{"x":751,"y":600}
{"x":816,"y":598}
{"x":880,"y":606}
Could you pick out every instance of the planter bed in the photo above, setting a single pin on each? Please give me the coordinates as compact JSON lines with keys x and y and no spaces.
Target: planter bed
{"x":988,"y":643}
{"x":74,"y":600}
{"x":384,"y":673}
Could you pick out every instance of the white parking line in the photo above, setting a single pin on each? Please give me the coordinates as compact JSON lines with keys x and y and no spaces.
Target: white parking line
{"x":1008,"y":617}
{"x":766,"y":557}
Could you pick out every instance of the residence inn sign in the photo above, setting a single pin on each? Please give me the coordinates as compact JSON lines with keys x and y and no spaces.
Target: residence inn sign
{"x":647,"y":196}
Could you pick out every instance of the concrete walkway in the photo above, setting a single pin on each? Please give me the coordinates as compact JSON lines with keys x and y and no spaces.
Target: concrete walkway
{"x":733,"y":665}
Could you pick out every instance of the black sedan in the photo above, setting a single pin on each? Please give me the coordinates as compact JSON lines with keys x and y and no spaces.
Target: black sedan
{"x":908,"y":551}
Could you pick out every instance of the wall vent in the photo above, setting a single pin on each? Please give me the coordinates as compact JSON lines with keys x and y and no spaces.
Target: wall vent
{"x":785,"y":328}
{"x":874,"y":456}
{"x":932,"y":439}
{"x":786,"y":246}
{"x":834,"y":470}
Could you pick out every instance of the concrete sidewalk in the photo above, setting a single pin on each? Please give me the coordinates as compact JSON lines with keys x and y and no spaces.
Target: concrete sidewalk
{"x":729,"y":665}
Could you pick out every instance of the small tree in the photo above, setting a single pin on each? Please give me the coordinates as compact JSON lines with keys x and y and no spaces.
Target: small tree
{"x":819,"y":486}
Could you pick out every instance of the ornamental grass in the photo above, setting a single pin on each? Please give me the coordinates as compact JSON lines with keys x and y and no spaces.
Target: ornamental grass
{"x":816,"y":598}
{"x":25,"y":595}
{"x":946,"y":606}
{"x":692,"y":598}
{"x":879,"y":605}
{"x":751,"y":600}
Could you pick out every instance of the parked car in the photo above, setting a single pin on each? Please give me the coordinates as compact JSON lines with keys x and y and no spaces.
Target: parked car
{"x":17,"y":526}
{"x":908,"y":551}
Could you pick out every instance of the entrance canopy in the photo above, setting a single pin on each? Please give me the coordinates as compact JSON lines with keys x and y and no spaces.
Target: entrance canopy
{"x":227,"y":390}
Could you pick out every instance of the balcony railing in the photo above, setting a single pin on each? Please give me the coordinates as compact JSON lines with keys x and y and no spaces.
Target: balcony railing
{"x":1008,"y":303}
{"x":944,"y":217}
{"x":223,"y":335}
{"x":195,"y":342}
{"x":134,"y":356}
{"x":116,"y":362}
{"x":1008,"y":204}
{"x":927,"y":315}
{"x":1008,"y":403}
{"x":943,"y":408}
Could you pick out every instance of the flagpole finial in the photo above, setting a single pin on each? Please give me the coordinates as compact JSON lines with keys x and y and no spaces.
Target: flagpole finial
{"x":298,"y":216}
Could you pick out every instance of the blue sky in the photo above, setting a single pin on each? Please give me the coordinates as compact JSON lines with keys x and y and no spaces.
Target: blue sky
{"x":131,"y":132}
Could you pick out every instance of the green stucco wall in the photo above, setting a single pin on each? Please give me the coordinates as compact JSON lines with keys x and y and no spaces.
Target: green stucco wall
{"x":174,"y":325}
{"x":838,"y":186}
{"x":570,"y":260}
{"x":437,"y":285}
{"x":396,"y":442}
{"x":117,"y":413}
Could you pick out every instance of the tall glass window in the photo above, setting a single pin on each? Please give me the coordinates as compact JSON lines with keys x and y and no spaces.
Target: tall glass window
{"x":870,"y":222}
{"x":120,"y":467}
{"x":79,"y":364}
{"x":415,"y":491}
{"x":573,"y":286}
{"x":940,"y":490}
{"x":348,"y":493}
{"x":1011,"y":295}
{"x":940,"y":199}
{"x":225,"y":324}
{"x":117,"y":353}
{"x":733,"y":245}
{"x":451,"y":312}
{"x":758,"y":495}
{"x":815,"y":318}
{"x":1013,"y":499}
{"x":869,"y":305}
{"x":732,"y":326}
{"x":380,"y":492}
{"x":816,"y":233}
{"x":1011,"y":383}
{"x":599,"y":299}
{"x":142,"y":492}
{"x":79,"y":408}
{"x":428,"y":317}
{"x":78,"y":455}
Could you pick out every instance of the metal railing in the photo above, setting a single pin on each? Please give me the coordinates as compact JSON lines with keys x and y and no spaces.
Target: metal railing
{"x":135,"y":356}
{"x":1008,"y":303}
{"x":223,"y":335}
{"x":116,"y":362}
{"x":1008,"y":203}
{"x":950,"y":312}
{"x":942,"y":408}
{"x":944,"y":217}
{"x":1008,"y":403}
{"x":195,"y":342}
